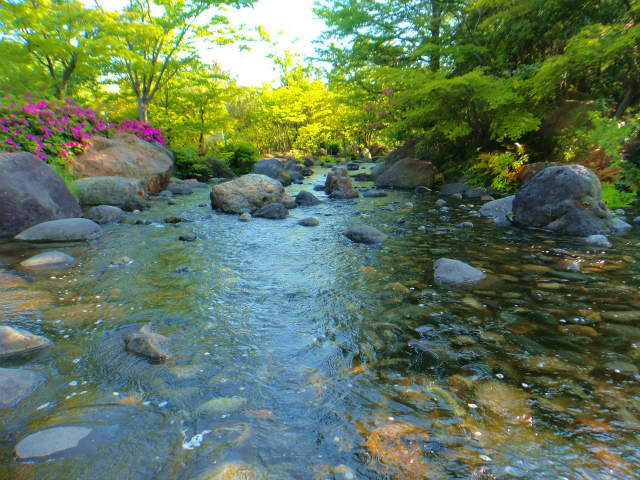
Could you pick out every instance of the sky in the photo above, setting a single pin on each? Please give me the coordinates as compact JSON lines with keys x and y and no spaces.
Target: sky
{"x":290,"y":23}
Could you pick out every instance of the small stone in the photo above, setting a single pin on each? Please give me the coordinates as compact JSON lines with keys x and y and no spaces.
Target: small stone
{"x":598,"y":240}
{"x":457,"y":196}
{"x":620,"y":369}
{"x":148,"y":344}
{"x":188,"y":237}
{"x":245,"y":217}
{"x":173,"y":220}
{"x":180,"y":188}
{"x":48,"y":259}
{"x":50,"y":441}
{"x":171,"y":202}
{"x":222,"y":405}
{"x":365,"y":234}
{"x":103,"y":214}
{"x":636,"y":220}
{"x":444,"y":209}
{"x":421,"y":190}
{"x":15,"y":342}
{"x":122,"y":262}
{"x":289,"y":202}
{"x":619,"y":211}
{"x":466,"y":225}
{"x":408,"y":205}
{"x":574,"y":267}
{"x":620,"y":227}
{"x":447,"y":270}
{"x":441,"y":202}
{"x":309,"y":222}
{"x":16,"y":384}
{"x":342,"y":472}
{"x":463,"y":341}
{"x":305,"y":198}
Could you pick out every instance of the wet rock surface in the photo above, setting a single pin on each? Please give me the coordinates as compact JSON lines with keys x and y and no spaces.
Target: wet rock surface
{"x":17,"y":384}
{"x":66,"y":230}
{"x":104,"y":214}
{"x":16,"y":342}
{"x":149,"y":344}
{"x":365,"y":234}
{"x":447,"y":270}
{"x":123,"y":192}
{"x":246,"y":194}
{"x":48,"y":259}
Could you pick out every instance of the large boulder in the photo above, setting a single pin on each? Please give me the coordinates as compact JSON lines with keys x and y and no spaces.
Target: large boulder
{"x":274,"y":168}
{"x":564,"y":199}
{"x":126,"y":193}
{"x":338,"y":184}
{"x":15,"y":342}
{"x":31,"y":193}
{"x":273,"y":211}
{"x":125,"y":155}
{"x":246,"y":194}
{"x":65,"y":230}
{"x":408,"y":173}
{"x":305,"y":198}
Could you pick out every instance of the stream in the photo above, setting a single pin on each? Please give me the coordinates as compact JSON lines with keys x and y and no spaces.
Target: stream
{"x":297,"y":354}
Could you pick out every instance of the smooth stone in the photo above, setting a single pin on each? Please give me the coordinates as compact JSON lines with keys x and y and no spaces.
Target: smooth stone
{"x":15,"y":342}
{"x":447,"y":270}
{"x":620,"y":369}
{"x":457,"y":196}
{"x":222,"y":405}
{"x":318,"y":188}
{"x":50,"y":441}
{"x":374,"y":194}
{"x":466,"y":225}
{"x":441,"y":202}
{"x":289,"y":202}
{"x":9,"y":281}
{"x":148,"y":344}
{"x":503,"y":207}
{"x":122,"y":261}
{"x":232,"y":471}
{"x":598,"y":240}
{"x":103,"y":214}
{"x":421,"y":190}
{"x":188,"y":237}
{"x":619,"y":211}
{"x":365,"y":234}
{"x":48,"y":259}
{"x":245,"y":217}
{"x":180,"y":188}
{"x":126,"y":193}
{"x":636,"y":220}
{"x":620,"y":227}
{"x":305,"y":198}
{"x":273,"y":211}
{"x":309,"y":222}
{"x":16,"y":384}
{"x":65,"y":230}
{"x":173,"y":220}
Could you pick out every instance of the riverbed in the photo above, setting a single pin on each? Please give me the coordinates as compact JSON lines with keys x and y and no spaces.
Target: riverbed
{"x":298,"y":354}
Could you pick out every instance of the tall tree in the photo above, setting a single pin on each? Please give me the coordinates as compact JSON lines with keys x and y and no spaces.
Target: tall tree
{"x":62,"y":39}
{"x":158,"y":41}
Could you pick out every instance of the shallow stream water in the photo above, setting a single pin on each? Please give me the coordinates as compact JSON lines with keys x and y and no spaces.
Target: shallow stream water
{"x":302,"y":355}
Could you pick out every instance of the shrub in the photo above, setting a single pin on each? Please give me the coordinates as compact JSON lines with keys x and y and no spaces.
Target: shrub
{"x":498,"y":170}
{"x":141,"y":130}
{"x":241,"y":156}
{"x":190,"y":165}
{"x":615,"y":197}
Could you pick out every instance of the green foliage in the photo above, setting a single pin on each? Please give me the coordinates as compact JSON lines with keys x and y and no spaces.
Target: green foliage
{"x":498,"y":170}
{"x":240,"y":155}
{"x":616,"y":198}
{"x":191,"y":165}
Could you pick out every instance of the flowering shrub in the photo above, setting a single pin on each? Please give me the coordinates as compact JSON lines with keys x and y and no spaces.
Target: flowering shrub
{"x":55,"y":131}
{"x":142,"y":130}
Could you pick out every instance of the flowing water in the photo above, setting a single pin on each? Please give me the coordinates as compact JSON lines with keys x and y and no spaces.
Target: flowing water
{"x":304,"y":356}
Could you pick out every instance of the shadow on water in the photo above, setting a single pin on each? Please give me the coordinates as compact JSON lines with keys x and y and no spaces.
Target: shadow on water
{"x":307,"y":356}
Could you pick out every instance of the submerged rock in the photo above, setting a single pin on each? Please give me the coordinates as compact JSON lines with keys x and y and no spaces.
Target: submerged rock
{"x":15,"y":342}
{"x":245,"y":217}
{"x":148,"y":344}
{"x":620,"y":227}
{"x":598,"y":241}
{"x":51,"y":441}
{"x":246,"y":194}
{"x":448,"y":270}
{"x":232,"y":471}
{"x":48,"y":259}
{"x":180,"y":188}
{"x":273,"y":211}
{"x":309,"y":222}
{"x":499,"y":210}
{"x":365,"y":234}
{"x":16,"y":384}
{"x":66,"y":230}
{"x":564,"y":199}
{"x":222,"y":405}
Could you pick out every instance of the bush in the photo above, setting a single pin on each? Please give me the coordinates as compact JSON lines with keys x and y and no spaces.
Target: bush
{"x":141,"y":130}
{"x":190,"y":165}
{"x":498,"y":170}
{"x":615,"y":197}
{"x":241,"y":156}
{"x":333,"y":148}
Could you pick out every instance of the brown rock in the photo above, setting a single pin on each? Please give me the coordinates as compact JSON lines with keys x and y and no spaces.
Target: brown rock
{"x":408,"y":173}
{"x":338,"y":184}
{"x":246,"y":194}
{"x":125,"y":155}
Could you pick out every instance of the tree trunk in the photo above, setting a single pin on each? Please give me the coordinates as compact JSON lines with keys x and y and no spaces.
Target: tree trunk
{"x":143,"y":108}
{"x":436,"y":22}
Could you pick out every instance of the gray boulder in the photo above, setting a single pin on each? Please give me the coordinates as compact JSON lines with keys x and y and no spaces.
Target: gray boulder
{"x":450,"y":189}
{"x":365,"y":234}
{"x":103,"y":214}
{"x":447,"y":270}
{"x":564,"y":199}
{"x":148,"y":344}
{"x":126,"y":193}
{"x":338,"y":184}
{"x":16,"y":384}
{"x":306,"y":199}
{"x":66,"y":230}
{"x":274,"y":168}
{"x":15,"y":342}
{"x":620,"y":227}
{"x":180,"y":188}
{"x":289,"y":202}
{"x":48,"y":259}
{"x":31,"y":192}
{"x":246,"y":194}
{"x":407,"y":173}
{"x":598,"y":241}
{"x":273,"y":211}
{"x":503,"y":207}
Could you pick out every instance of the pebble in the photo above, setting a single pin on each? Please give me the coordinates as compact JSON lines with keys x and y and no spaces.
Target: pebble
{"x":598,"y":241}
{"x":173,"y":220}
{"x":309,"y":222}
{"x":245,"y":217}
{"x":188,"y":237}
{"x":441,"y":202}
{"x":466,"y":225}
